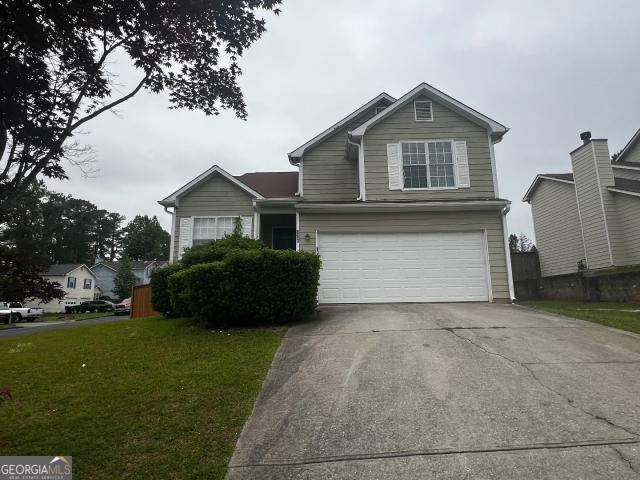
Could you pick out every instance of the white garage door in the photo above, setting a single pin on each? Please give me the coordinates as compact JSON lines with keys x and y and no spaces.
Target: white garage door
{"x":402,"y":267}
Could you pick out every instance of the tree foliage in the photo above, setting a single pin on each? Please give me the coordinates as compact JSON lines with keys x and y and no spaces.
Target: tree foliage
{"x":125,"y":279}
{"x":145,"y":239}
{"x":520,"y":244}
{"x":56,"y":60}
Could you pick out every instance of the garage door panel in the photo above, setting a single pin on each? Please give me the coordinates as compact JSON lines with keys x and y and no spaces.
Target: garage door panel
{"x":396,"y":267}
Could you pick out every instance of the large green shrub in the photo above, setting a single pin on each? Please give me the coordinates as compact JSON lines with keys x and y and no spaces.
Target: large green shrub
{"x":252,"y":286}
{"x":218,"y":249}
{"x":160,"y":288}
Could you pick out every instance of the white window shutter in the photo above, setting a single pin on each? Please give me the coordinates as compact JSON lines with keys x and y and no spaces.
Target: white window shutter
{"x":393,"y":162}
{"x":186,"y":235}
{"x":247,"y":223}
{"x":462,"y":165}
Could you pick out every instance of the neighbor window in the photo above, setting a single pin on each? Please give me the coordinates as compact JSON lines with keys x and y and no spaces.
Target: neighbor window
{"x":87,"y":283}
{"x":423,"y":111}
{"x":211,"y":228}
{"x":428,"y":165}
{"x":71,"y":282}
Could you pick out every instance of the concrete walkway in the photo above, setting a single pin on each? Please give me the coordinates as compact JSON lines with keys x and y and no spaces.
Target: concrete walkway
{"x":446,"y":391}
{"x":26,"y":328}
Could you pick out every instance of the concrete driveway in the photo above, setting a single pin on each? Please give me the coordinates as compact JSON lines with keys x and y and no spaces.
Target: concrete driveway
{"x":446,"y":391}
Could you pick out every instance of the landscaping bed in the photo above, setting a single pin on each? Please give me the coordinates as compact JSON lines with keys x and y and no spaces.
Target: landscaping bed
{"x":625,"y":316}
{"x":144,"y":398}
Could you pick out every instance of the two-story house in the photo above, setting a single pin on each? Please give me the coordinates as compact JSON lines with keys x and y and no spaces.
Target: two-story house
{"x":76,"y":280}
{"x":105,"y":272}
{"x":589,"y":219}
{"x":399,"y":198}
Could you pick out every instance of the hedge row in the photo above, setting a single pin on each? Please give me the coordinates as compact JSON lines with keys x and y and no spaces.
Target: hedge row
{"x":254,"y":285}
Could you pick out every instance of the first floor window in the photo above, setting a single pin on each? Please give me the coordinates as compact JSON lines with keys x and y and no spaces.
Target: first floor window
{"x":87,"y":284}
{"x":211,"y":228}
{"x":428,"y":165}
{"x":71,"y":282}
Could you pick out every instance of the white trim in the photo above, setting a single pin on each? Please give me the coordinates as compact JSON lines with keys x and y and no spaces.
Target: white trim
{"x":172,"y":242}
{"x":627,"y":192}
{"x":404,"y":206}
{"x":256,"y":226}
{"x":361,"y":176}
{"x":625,"y":167}
{"x":299,"y":152}
{"x":494,"y":171}
{"x":415,"y":110}
{"x":604,"y":213}
{"x":628,"y":146}
{"x":507,"y":252}
{"x":300,"y":191}
{"x":497,"y":129}
{"x":297,"y":231}
{"x":172,"y":200}
{"x":536,"y":182}
{"x":426,"y":148}
{"x":485,"y":241}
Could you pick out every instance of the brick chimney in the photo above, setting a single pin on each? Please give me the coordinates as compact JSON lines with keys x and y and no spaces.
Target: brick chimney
{"x":592,"y":174}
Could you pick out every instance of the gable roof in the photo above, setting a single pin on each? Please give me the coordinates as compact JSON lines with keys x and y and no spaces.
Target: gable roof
{"x":172,"y":200}
{"x":272,"y":184}
{"x":135,"y":264}
{"x":557,"y":177}
{"x":497,"y":130}
{"x":628,"y":147}
{"x":62,"y":269}
{"x":622,"y":164}
{"x":626,"y":185}
{"x":294,"y":157}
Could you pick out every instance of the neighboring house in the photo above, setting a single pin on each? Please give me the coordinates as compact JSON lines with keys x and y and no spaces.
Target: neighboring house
{"x":76,"y":279}
{"x":589,"y":219}
{"x":399,"y":198}
{"x":105,"y":273}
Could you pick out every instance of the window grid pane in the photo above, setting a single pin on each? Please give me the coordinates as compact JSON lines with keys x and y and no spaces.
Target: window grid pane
{"x":414,"y":165}
{"x":207,"y":229}
{"x":441,"y":173}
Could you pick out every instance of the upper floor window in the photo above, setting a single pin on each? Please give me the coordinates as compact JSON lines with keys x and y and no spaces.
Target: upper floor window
{"x":87,"y":284}
{"x":428,"y":165}
{"x":423,"y":111}
{"x":71,"y":282}
{"x":211,"y":228}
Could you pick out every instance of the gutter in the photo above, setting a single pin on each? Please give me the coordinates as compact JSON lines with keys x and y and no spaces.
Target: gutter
{"x":402,"y":206}
{"x":507,"y":252}
{"x":173,"y":230}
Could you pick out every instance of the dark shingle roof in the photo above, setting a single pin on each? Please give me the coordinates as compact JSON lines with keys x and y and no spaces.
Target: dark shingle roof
{"x":627,"y":185}
{"x":60,"y":269}
{"x":272,"y":184}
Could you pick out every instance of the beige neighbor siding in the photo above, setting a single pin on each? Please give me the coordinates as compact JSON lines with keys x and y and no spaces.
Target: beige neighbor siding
{"x":446,"y":125}
{"x":416,"y":222}
{"x":214,"y":197}
{"x":627,"y":173}
{"x":326,"y":174}
{"x":557,"y":227}
{"x":628,"y":208}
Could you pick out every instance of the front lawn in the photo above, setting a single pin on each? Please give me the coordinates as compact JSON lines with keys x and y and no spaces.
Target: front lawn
{"x":617,"y":315}
{"x":144,"y":398}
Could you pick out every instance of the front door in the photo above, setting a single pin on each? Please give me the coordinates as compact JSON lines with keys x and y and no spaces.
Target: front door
{"x":284,"y":238}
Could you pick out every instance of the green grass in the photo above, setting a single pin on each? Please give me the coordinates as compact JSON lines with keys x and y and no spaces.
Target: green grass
{"x":51,"y":317}
{"x":144,"y":398}
{"x":605,"y":313}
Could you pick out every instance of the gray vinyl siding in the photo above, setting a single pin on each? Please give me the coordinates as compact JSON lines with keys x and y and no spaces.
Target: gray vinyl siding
{"x":105,"y":279}
{"x":557,"y":227}
{"x":416,"y":222}
{"x":627,"y":173}
{"x":633,"y":155}
{"x":446,"y":125}
{"x":628,"y":208}
{"x":326,"y":174}
{"x":590,"y":205}
{"x":214,"y":197}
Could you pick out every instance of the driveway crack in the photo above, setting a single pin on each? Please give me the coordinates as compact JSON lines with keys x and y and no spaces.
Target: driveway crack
{"x":626,"y":460}
{"x":568,"y":399}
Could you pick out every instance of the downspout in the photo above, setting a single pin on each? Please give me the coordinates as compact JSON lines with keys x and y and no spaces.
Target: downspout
{"x":300,"y":179}
{"x":362,"y":194}
{"x":173,"y":231}
{"x":507,"y":251}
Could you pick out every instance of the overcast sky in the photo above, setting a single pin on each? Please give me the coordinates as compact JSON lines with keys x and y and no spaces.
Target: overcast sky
{"x":548,"y":70}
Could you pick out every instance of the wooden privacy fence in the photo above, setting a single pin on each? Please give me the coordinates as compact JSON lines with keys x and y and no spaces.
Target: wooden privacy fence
{"x":141,"y":302}
{"x":525,"y":267}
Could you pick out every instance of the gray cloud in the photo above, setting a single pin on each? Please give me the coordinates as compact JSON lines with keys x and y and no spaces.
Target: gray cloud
{"x":546,"y":69}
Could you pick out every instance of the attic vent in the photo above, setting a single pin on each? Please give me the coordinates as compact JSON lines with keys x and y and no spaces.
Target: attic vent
{"x":379,"y":109}
{"x":423,"y":111}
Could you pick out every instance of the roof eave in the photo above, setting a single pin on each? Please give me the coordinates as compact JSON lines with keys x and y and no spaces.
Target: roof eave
{"x":536,"y":182}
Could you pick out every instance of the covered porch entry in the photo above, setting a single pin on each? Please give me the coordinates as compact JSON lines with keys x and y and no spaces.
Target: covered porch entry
{"x":276,"y":224}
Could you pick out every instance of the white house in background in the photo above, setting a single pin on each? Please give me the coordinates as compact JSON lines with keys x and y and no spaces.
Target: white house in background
{"x":76,"y":279}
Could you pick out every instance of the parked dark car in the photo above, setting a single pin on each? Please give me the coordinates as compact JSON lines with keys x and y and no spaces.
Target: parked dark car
{"x":91,"y":306}
{"x":124,"y":307}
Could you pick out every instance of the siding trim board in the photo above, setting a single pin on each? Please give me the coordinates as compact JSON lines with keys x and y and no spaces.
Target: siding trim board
{"x":626,"y":192}
{"x":604,"y":212}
